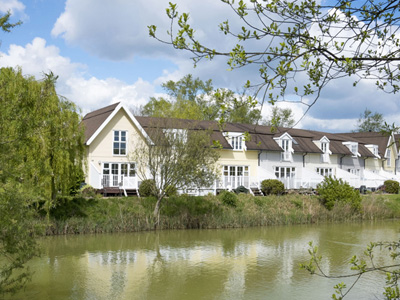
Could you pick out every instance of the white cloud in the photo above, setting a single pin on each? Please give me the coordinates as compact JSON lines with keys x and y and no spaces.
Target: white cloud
{"x":88,"y":93}
{"x":37,"y":58}
{"x":12,"y":6}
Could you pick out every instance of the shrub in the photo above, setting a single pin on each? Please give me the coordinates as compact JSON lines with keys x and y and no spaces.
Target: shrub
{"x":147,"y":188}
{"x":333,"y":190}
{"x":391,"y":186}
{"x":241,"y":189}
{"x":228,"y":198}
{"x":272,"y":187}
{"x":87,"y":191}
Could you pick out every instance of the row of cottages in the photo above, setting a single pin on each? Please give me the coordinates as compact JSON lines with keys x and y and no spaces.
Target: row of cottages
{"x":299,"y":158}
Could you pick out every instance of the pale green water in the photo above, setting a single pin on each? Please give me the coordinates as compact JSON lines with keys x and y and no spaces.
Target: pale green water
{"x":254,"y":263}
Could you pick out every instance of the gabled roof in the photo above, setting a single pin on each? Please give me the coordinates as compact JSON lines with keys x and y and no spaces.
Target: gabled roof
{"x":95,"y":121}
{"x":261,"y":137}
{"x":372,"y":138}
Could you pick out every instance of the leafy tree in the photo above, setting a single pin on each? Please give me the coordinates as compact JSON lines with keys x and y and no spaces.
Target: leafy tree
{"x":17,"y":237}
{"x":281,"y":117}
{"x":369,"y":121}
{"x":177,"y":158}
{"x":42,"y":141}
{"x":41,"y":156}
{"x":198,"y":100}
{"x":299,"y":46}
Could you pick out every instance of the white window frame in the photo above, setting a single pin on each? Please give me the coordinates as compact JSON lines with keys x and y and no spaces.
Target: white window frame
{"x":354,"y":171}
{"x":236,"y":140}
{"x":353,"y":147}
{"x":115,"y":171}
{"x":388,"y":158}
{"x":236,"y":173}
{"x":119,"y":140}
{"x":325,"y":171}
{"x":286,"y":171}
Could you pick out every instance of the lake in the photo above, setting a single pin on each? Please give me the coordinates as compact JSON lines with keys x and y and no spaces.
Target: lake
{"x":250,"y":263}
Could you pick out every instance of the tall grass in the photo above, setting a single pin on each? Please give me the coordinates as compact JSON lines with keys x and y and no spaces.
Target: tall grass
{"x":107,"y":215}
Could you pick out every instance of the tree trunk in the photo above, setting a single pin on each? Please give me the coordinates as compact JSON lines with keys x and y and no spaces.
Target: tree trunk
{"x":156,"y":212}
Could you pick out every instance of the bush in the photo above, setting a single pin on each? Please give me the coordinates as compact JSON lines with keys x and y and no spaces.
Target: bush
{"x":333,"y":190}
{"x":228,"y":198}
{"x":272,"y":187}
{"x":147,"y":188}
{"x":241,"y":189}
{"x":87,"y":191}
{"x":391,"y":186}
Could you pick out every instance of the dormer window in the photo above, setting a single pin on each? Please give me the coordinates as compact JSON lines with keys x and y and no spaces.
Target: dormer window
{"x":236,"y":140}
{"x":285,"y":142}
{"x":374,"y":149}
{"x":176,"y":134}
{"x":324,"y":146}
{"x":388,"y":157}
{"x":353,"y":147}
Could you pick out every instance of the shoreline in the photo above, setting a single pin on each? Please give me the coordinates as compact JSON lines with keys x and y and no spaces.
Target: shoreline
{"x":132,"y":214}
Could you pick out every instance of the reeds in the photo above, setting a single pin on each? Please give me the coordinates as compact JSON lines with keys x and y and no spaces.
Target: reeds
{"x":108,"y":215}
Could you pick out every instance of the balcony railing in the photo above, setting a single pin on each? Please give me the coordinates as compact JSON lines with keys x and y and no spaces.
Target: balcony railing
{"x":122,"y":181}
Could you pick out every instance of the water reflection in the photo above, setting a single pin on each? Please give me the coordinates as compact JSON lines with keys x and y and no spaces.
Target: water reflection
{"x":255,"y":263}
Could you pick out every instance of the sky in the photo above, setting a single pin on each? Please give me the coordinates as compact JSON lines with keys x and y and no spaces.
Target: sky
{"x":102,"y":53}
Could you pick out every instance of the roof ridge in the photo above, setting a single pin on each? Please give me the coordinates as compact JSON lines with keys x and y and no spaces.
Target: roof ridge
{"x":101,"y":111}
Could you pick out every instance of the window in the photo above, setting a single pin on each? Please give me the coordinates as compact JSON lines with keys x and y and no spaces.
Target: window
{"x":285,"y":172}
{"x":375,"y":150}
{"x":235,"y":176}
{"x":388,"y":159}
{"x":236,"y":142}
{"x":114,"y":173}
{"x":324,"y":147}
{"x":325,"y":171}
{"x":119,"y":145}
{"x":285,"y":145}
{"x":354,"y":171}
{"x":354,"y":149}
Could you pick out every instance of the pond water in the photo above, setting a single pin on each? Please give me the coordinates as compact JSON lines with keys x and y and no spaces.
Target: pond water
{"x":251,"y":263}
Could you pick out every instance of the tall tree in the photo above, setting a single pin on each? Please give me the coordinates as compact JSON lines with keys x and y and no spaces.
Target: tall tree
{"x":198,"y":100}
{"x":281,"y":117}
{"x":178,"y":158}
{"x":289,"y":40}
{"x":41,"y":156}
{"x":369,"y":121}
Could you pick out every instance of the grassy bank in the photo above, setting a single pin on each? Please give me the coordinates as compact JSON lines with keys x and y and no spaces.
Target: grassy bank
{"x":79,"y":215}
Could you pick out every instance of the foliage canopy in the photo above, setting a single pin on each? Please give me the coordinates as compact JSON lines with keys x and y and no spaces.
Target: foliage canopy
{"x":299,"y":46}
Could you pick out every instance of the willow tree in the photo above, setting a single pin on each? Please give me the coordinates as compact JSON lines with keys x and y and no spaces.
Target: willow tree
{"x":299,"y":46}
{"x":41,"y":156}
{"x":42,"y":142}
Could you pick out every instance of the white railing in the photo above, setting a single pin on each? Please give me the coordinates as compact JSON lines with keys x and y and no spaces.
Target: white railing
{"x":122,"y":181}
{"x":233,"y":182}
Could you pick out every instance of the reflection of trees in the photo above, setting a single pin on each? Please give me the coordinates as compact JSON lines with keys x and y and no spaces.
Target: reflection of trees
{"x":210,"y":264}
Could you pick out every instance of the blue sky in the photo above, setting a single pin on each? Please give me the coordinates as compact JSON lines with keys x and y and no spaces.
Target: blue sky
{"x":102,"y":53}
